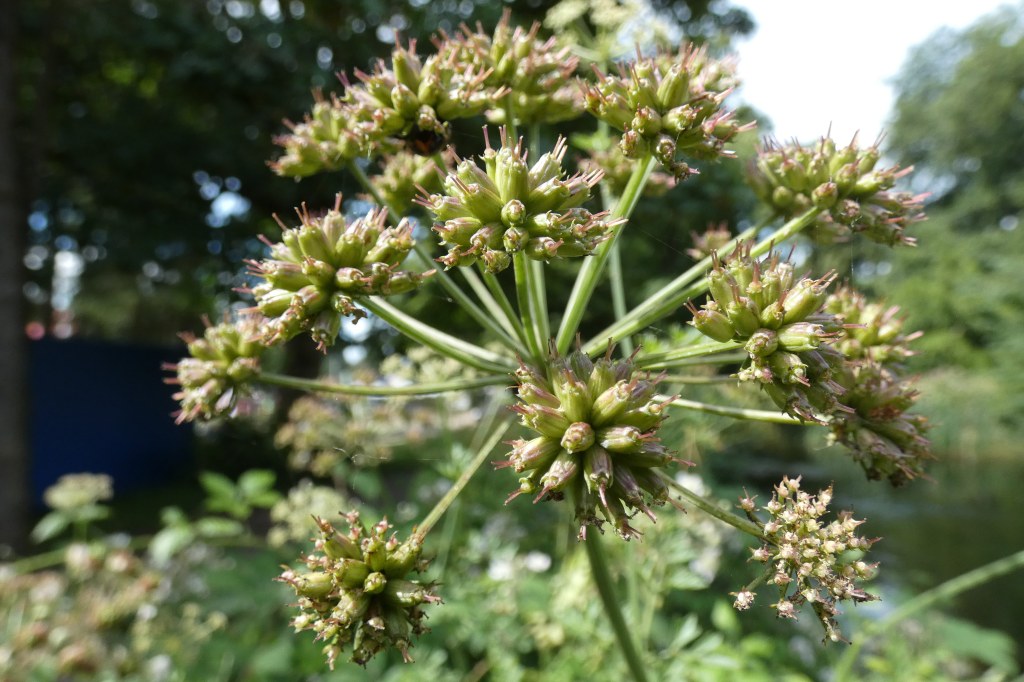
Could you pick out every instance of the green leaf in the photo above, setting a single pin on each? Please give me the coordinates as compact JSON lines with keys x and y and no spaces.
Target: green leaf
{"x":217,"y":486}
{"x":255,"y":482}
{"x":173,"y":516}
{"x":50,"y":526}
{"x":265,"y":499}
{"x":723,"y":617}
{"x":169,"y":541}
{"x":218,"y":527}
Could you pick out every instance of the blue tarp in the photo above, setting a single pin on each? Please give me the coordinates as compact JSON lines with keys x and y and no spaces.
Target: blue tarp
{"x":102,"y":407}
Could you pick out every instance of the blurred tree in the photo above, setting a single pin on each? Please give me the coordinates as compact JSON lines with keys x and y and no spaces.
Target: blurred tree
{"x":145,"y":127}
{"x":959,"y":118}
{"x":13,"y":353}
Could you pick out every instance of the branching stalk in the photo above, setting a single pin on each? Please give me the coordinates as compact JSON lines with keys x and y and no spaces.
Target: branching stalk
{"x":442,"y":505}
{"x":737,"y":412}
{"x":691,"y":283}
{"x":527,"y":294}
{"x":606,"y":589}
{"x":711,"y":508}
{"x":590,"y":272}
{"x":494,"y":286}
{"x":362,"y":389}
{"x":446,"y":344}
{"x":668,"y":358}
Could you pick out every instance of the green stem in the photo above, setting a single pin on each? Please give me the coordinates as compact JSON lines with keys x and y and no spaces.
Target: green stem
{"x":687,"y":379}
{"x":590,"y":272}
{"x":527,"y":295}
{"x":540,"y":298}
{"x":446,"y":344}
{"x":668,"y":358}
{"x":936,"y":595}
{"x":686,"y":285}
{"x":510,"y":313}
{"x":510,"y":118}
{"x":712,"y":509}
{"x":736,"y":412}
{"x":442,"y":277}
{"x":619,"y":295}
{"x":491,"y":304}
{"x":442,"y":505}
{"x":362,"y":389}
{"x":606,"y":589}
{"x":488,"y":322}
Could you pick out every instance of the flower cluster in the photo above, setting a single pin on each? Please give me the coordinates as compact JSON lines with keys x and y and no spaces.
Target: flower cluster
{"x":534,"y":76}
{"x":356,"y":592}
{"x":222,"y":364}
{"x":72,"y":491}
{"x":508,"y":206}
{"x":886,"y":440}
{"x":331,"y":136}
{"x":782,"y":326}
{"x":403,"y":176}
{"x":597,"y":424}
{"x":317,"y":270}
{"x":810,"y":562}
{"x":854,"y":195}
{"x":668,"y":105}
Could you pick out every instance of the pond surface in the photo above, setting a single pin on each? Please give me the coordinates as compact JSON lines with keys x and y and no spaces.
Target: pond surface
{"x":969,"y":515}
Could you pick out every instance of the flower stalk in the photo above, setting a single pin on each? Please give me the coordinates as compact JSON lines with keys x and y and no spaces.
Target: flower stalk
{"x":610,"y":600}
{"x":590,"y":273}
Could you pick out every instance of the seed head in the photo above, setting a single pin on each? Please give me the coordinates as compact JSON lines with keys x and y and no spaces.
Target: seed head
{"x":356,"y":592}
{"x":223,"y":362}
{"x":595,"y":424}
{"x":668,"y":105}
{"x":515,"y":66}
{"x":784,"y":329}
{"x":317,"y":270}
{"x":815,"y":562}
{"x":509,"y":206}
{"x":857,"y":197}
{"x":331,"y":135}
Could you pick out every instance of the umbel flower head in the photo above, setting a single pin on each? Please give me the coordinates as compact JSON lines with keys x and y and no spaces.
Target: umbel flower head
{"x":223,"y":361}
{"x":356,"y":592}
{"x":669,"y":106}
{"x":317,"y":270}
{"x":417,"y":97}
{"x":596,"y":425}
{"x":781,"y":323}
{"x":403,"y":176}
{"x":508,"y":206}
{"x":331,"y":135}
{"x":811,"y":561}
{"x":531,"y":75}
{"x":73,"y":491}
{"x":884,"y":439}
{"x":845,"y":182}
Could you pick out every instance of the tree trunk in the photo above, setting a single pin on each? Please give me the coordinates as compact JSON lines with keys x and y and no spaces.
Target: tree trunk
{"x":14,"y":451}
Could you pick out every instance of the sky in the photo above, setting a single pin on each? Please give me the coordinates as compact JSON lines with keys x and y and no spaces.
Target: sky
{"x":812,"y":63}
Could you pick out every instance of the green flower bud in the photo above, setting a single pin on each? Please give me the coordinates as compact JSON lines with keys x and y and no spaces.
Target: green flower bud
{"x":578,"y":437}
